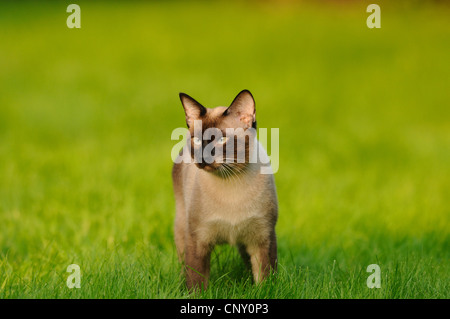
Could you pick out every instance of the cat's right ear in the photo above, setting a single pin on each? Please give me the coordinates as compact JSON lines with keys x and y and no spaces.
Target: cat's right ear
{"x":192,"y":109}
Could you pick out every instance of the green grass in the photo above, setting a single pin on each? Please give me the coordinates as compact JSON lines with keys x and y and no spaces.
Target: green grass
{"x":85,"y":123}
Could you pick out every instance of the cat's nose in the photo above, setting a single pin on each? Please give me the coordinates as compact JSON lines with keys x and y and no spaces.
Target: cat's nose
{"x":202,"y":164}
{"x":208,"y":160}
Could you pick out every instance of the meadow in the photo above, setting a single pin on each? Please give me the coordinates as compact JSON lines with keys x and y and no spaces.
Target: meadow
{"x":86,"y":117}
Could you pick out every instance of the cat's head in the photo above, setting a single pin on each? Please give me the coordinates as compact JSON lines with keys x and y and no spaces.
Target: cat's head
{"x":221,"y":139}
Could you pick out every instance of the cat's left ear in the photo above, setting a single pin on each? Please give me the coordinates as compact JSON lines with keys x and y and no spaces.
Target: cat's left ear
{"x":243,"y":108}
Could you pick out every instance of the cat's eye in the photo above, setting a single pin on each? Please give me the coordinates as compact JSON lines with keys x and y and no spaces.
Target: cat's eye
{"x":197,"y":141}
{"x":222,"y":140}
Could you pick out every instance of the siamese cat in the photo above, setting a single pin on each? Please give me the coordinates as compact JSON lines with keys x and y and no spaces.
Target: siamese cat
{"x":222,"y":197}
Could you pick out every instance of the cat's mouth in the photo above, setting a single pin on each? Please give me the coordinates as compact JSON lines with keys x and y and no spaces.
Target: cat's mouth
{"x":224,"y":170}
{"x":208,"y":167}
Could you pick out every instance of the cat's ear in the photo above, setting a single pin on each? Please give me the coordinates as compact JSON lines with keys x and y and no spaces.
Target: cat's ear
{"x":243,"y":108}
{"x":192,"y":109}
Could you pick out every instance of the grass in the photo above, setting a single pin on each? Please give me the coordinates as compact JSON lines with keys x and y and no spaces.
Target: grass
{"x":85,"y":123}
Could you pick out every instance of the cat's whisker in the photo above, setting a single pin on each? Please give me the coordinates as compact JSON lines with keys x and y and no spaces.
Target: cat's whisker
{"x":238,"y":173}
{"x":229,"y":172}
{"x":223,"y":172}
{"x":226,"y":171}
{"x":234,"y":174}
{"x":237,"y":170}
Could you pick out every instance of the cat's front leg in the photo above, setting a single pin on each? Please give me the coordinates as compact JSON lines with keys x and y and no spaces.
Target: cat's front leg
{"x":197,"y":263}
{"x":263,"y":258}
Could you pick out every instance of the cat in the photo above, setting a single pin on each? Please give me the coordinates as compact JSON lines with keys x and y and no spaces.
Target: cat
{"x":224,"y":198}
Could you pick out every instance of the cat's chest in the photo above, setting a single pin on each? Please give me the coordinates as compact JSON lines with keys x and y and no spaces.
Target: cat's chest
{"x":231,"y":220}
{"x":232,"y":213}
{"x":232,"y":224}
{"x":231,"y":204}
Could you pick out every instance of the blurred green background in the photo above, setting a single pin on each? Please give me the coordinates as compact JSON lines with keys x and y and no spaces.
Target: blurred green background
{"x":86,"y":117}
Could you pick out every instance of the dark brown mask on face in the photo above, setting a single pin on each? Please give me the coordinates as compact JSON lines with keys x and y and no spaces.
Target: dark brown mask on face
{"x":222,"y":138}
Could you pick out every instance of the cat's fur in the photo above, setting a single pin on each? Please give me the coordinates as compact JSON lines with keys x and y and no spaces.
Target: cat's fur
{"x":214,"y":206}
